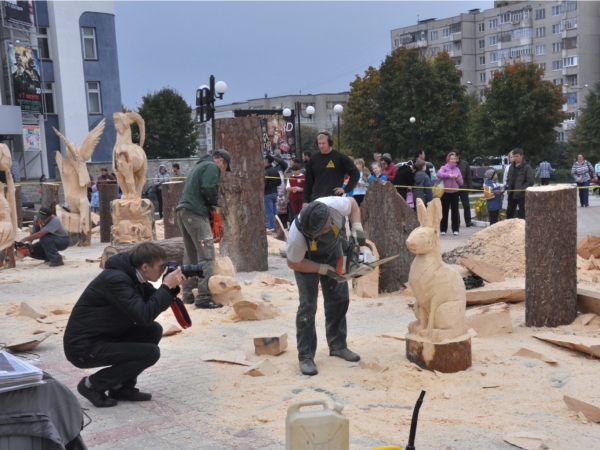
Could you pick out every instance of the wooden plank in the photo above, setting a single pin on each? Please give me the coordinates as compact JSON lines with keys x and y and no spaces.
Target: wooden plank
{"x":488,"y":272}
{"x":588,"y":301}
{"x":490,"y":319}
{"x":583,"y":344}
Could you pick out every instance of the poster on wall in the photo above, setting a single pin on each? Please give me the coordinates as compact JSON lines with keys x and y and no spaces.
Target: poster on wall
{"x":31,"y":138}
{"x":278,"y":132}
{"x":26,"y":80}
{"x":19,"y":12}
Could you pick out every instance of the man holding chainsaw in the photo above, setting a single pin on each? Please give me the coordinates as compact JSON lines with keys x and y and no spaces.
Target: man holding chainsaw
{"x":194,"y":213}
{"x":52,"y":235}
{"x":317,"y":241}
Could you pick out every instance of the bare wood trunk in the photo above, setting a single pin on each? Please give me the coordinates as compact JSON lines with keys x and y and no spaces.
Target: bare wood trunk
{"x":171,"y":192}
{"x":550,"y":256}
{"x":388,"y":221}
{"x":241,"y":193}
{"x":50,"y":196}
{"x":173,"y":247}
{"x":107,"y":192}
{"x":19,"y":205}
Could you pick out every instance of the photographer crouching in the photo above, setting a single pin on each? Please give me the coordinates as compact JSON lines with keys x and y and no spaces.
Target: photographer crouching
{"x":112,"y":324}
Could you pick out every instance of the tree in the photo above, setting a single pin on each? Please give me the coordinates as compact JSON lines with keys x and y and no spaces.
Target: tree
{"x":309,"y":136}
{"x":585,"y":137}
{"x":520,"y":110}
{"x":170,"y":130}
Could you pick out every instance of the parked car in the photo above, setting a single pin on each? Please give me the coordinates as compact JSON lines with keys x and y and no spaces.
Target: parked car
{"x":496,"y":162}
{"x":477,"y":174}
{"x":430,"y":166}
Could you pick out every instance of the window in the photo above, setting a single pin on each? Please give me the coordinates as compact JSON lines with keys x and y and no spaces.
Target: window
{"x":504,"y":18}
{"x":540,"y":14}
{"x":433,"y":35}
{"x":448,"y":48}
{"x":558,"y":81}
{"x":570,"y":61}
{"x":540,"y":32}
{"x":482,"y":77}
{"x":557,"y":65}
{"x":493,"y":40}
{"x":457,"y":61}
{"x":397,"y":42}
{"x":492,"y":74}
{"x":540,"y":49}
{"x":93,"y":94}
{"x":568,"y":24}
{"x":557,"y":10}
{"x":571,"y":98}
{"x":493,"y":23}
{"x":49,"y":97}
{"x":556,"y":29}
{"x":455,"y":28}
{"x":43,"y":47}
{"x":457,"y":45}
{"x":481,"y":43}
{"x":331,"y":105}
{"x":557,"y":47}
{"x":434,"y":50}
{"x":542,"y":66}
{"x":494,"y":57}
{"x":572,"y":80}
{"x":446,"y":32}
{"x":481,"y":27}
{"x":571,"y":6}
{"x":89,"y":43}
{"x":482,"y":60}
{"x":521,"y":33}
{"x":560,"y":136}
{"x":570,"y":43}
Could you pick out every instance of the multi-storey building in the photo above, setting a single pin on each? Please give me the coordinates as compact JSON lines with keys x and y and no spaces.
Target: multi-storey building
{"x":561,"y":36}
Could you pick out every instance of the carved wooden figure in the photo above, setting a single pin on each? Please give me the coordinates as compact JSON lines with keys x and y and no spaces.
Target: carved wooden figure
{"x":5,"y":165}
{"x":6,"y":225}
{"x":438,"y":339}
{"x":129,"y":160}
{"x":75,"y":179}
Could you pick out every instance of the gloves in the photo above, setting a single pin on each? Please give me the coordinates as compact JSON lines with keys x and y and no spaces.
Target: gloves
{"x":324,"y":268}
{"x":359,"y":234}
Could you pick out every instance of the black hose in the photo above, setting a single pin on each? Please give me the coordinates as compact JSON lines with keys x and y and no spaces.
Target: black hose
{"x":413,"y":423}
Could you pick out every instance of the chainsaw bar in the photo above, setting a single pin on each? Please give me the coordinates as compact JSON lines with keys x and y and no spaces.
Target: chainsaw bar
{"x":364,"y":270}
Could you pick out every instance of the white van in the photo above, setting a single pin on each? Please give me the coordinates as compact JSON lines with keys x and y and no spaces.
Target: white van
{"x":497,"y":162}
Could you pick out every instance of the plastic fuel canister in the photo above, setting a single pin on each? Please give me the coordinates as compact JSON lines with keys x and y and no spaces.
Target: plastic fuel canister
{"x":316,"y":429}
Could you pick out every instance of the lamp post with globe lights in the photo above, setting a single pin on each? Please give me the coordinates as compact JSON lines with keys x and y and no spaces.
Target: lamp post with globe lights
{"x":412,"y":121}
{"x":310,"y":110}
{"x":338,"y":109}
{"x":205,"y":103}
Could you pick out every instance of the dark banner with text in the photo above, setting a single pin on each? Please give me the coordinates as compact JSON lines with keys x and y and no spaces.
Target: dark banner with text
{"x":19,"y":12}
{"x":278,"y":132}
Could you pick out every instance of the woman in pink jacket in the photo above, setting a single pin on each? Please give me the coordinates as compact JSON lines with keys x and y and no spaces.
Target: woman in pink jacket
{"x":452,"y":181}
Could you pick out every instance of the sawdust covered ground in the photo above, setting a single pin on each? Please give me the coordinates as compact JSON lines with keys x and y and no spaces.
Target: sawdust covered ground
{"x":501,"y":393}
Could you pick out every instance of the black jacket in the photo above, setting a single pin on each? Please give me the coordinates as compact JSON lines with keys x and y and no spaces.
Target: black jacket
{"x":404,"y":177}
{"x":465,"y":171}
{"x":272,"y":180}
{"x":112,"y":304}
{"x":519,"y":178}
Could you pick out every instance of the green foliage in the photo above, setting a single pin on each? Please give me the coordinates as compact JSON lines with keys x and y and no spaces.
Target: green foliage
{"x":170,"y":130}
{"x":520,"y":110}
{"x":482,"y":213}
{"x":309,"y":137}
{"x":585,"y":137}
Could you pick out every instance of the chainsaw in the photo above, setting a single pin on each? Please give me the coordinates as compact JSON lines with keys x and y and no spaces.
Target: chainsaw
{"x":216,"y":226}
{"x":23,"y":249}
{"x":358,"y":261}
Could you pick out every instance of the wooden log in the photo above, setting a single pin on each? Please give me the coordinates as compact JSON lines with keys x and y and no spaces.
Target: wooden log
{"x":173,"y":248}
{"x":171,"y":193}
{"x":488,"y":272}
{"x":490,"y":320}
{"x":368,"y":285}
{"x":133,"y":221}
{"x":449,"y":356}
{"x":19,"y":205}
{"x":588,"y":301}
{"x":241,"y":194}
{"x":50,"y":196}
{"x":107,"y":192}
{"x":388,"y":221}
{"x":551,"y":256}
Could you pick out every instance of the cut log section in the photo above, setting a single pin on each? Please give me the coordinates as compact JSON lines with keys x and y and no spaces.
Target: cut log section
{"x":19,"y":205}
{"x":255,"y":310}
{"x":107,"y":192}
{"x":173,"y":248}
{"x":510,"y":291}
{"x":272,"y":345}
{"x":489,"y":320}
{"x":588,"y":301}
{"x":450,"y":356}
{"x":368,"y":285}
{"x":171,"y":192}
{"x":583,"y":344}
{"x":488,"y":272}
{"x":551,"y":288}
{"x":50,"y":196}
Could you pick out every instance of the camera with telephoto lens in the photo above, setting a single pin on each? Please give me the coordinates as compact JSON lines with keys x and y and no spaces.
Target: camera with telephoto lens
{"x":188,"y":270}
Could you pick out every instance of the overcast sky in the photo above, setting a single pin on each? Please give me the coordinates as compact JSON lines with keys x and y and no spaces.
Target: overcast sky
{"x":257,"y":48}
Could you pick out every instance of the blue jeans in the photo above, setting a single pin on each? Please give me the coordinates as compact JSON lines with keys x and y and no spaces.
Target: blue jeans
{"x":48,"y":246}
{"x":584,"y":193}
{"x":271,"y":210}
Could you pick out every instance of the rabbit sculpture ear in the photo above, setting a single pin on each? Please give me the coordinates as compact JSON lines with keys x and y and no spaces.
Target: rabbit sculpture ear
{"x":434,"y":213}
{"x":421,"y":212}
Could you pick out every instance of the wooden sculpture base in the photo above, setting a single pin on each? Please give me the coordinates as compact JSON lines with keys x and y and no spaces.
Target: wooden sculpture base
{"x":450,"y":356}
{"x":72,"y":222}
{"x":133,"y":221}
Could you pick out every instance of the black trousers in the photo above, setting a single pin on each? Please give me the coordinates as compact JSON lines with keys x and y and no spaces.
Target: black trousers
{"x":494,"y":216}
{"x":159,"y":198}
{"x":464,"y":199}
{"x":545,"y":181}
{"x":48,"y":246}
{"x":127,"y":357}
{"x":512,"y":206}
{"x":450,"y":201}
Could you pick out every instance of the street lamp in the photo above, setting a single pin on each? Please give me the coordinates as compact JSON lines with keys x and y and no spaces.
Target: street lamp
{"x":310,"y":110}
{"x":205,"y":103}
{"x":412,"y":121}
{"x":479,"y":90}
{"x":338,"y":109}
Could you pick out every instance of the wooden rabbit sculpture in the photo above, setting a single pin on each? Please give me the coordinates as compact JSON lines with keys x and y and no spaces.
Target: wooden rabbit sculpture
{"x":439,"y":289}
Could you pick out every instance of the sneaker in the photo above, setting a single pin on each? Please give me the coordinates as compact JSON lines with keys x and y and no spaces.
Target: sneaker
{"x":58,"y":262}
{"x":208,"y":304}
{"x":308,"y":367}
{"x":346,"y":354}
{"x":443,"y":233}
{"x":98,"y":399}
{"x":129,"y":394}
{"x":456,"y":233}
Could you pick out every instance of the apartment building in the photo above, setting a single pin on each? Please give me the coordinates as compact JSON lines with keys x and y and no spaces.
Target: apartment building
{"x":561,"y":36}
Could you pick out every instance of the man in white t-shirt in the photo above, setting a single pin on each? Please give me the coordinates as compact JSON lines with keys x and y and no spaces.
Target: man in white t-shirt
{"x":316,"y":241}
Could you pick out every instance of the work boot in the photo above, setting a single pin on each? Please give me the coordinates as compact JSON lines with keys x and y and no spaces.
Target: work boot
{"x":58,"y":262}
{"x":308,"y":367}
{"x":207,"y":304}
{"x":129,"y":394}
{"x":98,"y":399}
{"x":346,"y":354}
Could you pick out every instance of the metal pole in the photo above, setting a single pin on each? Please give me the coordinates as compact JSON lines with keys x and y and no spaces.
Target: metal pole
{"x":212,"y":107}
{"x":299,"y":127}
{"x":339,"y":142}
{"x":413,"y":135}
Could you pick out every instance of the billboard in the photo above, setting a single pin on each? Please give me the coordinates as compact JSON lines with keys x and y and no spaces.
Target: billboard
{"x":278,"y":132}
{"x":19,"y":12}
{"x":26,"y":79}
{"x":31,"y":138}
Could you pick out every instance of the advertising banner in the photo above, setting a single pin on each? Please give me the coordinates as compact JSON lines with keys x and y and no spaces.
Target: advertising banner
{"x":26,"y":80}
{"x":31,"y":138}
{"x":19,"y":12}
{"x":278,"y":132}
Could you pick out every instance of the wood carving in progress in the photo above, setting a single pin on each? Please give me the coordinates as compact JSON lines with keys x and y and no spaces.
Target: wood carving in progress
{"x":438,"y":339}
{"x":76,"y":178}
{"x":5,"y":165}
{"x":129,"y":160}
{"x":6,"y":225}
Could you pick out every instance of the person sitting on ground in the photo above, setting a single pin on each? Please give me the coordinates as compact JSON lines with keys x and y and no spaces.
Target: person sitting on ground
{"x":492,"y":192}
{"x":422,"y":187}
{"x":377,"y":173}
{"x":112,"y":324}
{"x":52,"y":235}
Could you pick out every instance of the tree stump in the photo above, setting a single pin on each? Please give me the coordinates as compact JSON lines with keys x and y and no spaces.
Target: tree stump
{"x":107,"y":192}
{"x":241,"y":194}
{"x":449,"y":356}
{"x":550,"y":256}
{"x":19,"y":205}
{"x":388,"y":221}
{"x":133,"y":221}
{"x":50,"y":196}
{"x":171,"y":192}
{"x":173,"y":248}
